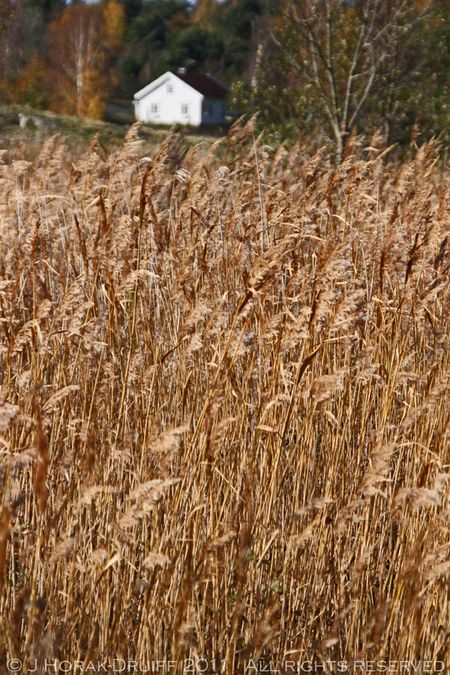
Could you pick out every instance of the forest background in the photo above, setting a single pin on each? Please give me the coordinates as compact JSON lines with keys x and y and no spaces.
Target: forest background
{"x":77,"y":58}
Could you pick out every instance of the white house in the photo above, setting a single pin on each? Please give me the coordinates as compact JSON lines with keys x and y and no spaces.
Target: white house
{"x":183,"y":98}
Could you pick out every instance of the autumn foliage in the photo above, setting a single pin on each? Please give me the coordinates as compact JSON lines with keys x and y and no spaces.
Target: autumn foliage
{"x":81,"y":42}
{"x":75,"y":73}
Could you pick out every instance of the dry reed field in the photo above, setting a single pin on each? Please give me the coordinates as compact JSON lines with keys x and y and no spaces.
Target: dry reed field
{"x":223,"y":413}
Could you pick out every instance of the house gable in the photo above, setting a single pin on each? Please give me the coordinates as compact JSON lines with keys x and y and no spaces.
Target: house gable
{"x":166,"y":79}
{"x":169,"y":100}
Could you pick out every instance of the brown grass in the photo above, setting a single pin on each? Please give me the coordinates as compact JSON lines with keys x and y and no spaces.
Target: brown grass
{"x":223,"y":412}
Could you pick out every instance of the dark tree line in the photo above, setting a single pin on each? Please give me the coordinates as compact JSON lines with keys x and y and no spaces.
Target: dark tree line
{"x":151,"y":36}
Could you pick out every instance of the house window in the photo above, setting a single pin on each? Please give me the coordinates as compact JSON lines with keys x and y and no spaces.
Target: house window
{"x":169,"y":88}
{"x":184,"y":109}
{"x":154,"y":108}
{"x":208,"y":108}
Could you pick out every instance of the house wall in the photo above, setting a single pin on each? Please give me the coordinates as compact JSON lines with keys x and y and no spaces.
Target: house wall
{"x":213,"y":111}
{"x":169,"y":104}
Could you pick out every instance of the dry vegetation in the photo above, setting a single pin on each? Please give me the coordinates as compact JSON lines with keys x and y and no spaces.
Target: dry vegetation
{"x":223,"y":415}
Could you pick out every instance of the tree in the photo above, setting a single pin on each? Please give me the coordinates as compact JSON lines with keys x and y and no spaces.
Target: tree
{"x":78,"y":61}
{"x":47,"y":8}
{"x":5,"y":14}
{"x":331,"y":65}
{"x":195,"y":46}
{"x":238,"y":30}
{"x":415,"y":88}
{"x":147,"y":38}
{"x":114,"y":25}
{"x":339,"y":48}
{"x":31,"y":86}
{"x":22,"y":38}
{"x":206,"y":12}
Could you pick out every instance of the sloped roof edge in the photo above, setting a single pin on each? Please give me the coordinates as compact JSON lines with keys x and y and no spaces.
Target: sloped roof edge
{"x":204,"y":84}
{"x":151,"y":86}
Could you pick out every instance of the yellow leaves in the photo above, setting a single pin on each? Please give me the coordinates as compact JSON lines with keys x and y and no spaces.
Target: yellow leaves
{"x":95,"y":106}
{"x":30,"y":86}
{"x":78,"y":57}
{"x":205,"y":11}
{"x":114,"y":26}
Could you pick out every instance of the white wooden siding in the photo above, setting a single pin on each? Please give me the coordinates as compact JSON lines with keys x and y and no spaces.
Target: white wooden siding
{"x":182,"y":104}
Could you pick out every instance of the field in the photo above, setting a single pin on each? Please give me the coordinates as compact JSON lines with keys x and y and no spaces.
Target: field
{"x":25,"y":126}
{"x":223,"y":407}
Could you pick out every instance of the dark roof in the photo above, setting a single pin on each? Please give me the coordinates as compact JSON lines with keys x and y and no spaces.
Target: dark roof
{"x":205,"y":84}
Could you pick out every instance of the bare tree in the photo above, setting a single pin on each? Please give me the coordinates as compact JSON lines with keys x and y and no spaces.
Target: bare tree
{"x":340,"y":46}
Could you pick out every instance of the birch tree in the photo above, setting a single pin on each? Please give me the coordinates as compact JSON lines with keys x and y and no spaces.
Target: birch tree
{"x":78,"y":61}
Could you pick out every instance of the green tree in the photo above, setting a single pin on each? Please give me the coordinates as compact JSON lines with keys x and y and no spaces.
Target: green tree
{"x":47,"y":8}
{"x":195,"y":46}
{"x":335,"y":65}
{"x":238,"y":30}
{"x":147,"y":37}
{"x":415,"y":90}
{"x":23,"y":37}
{"x":31,"y":87}
{"x":206,"y":13}
{"x":131,"y":8}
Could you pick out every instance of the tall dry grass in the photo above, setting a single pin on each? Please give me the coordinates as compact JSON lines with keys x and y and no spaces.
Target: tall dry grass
{"x":223,"y":413}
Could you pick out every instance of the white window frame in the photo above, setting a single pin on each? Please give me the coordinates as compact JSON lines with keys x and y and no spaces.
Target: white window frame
{"x":169,"y":88}
{"x":185,"y":108}
{"x":154,"y":108}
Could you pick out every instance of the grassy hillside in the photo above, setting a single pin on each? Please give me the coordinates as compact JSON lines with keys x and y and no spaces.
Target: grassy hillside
{"x":28,"y":128}
{"x":223,"y":412}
